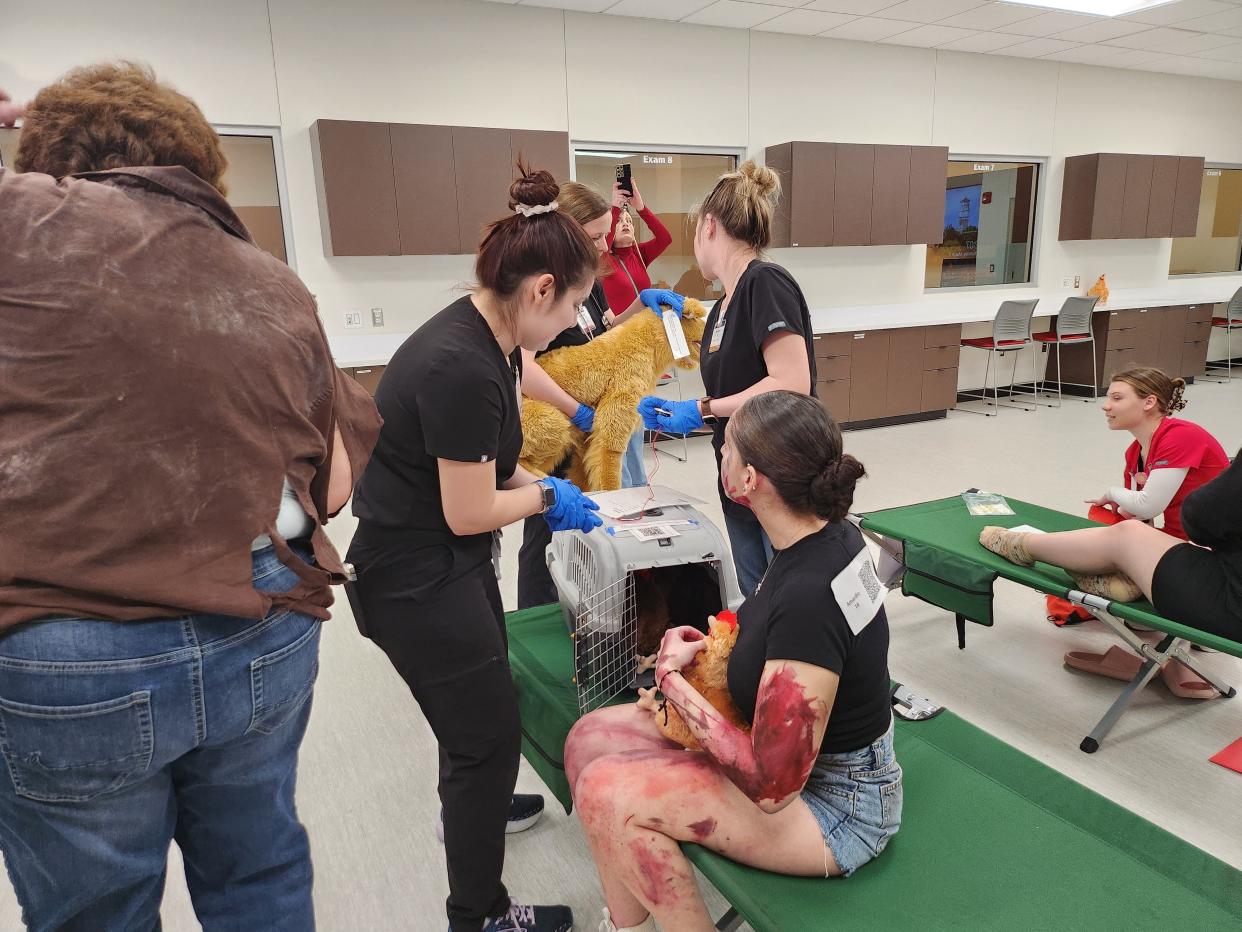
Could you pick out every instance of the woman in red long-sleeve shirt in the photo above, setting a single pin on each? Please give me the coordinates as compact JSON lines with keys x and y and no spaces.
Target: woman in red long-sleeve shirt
{"x":629,"y":259}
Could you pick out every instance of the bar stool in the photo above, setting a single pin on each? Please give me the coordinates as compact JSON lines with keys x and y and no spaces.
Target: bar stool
{"x":1229,"y":323}
{"x":1011,"y":331}
{"x":1073,"y":326}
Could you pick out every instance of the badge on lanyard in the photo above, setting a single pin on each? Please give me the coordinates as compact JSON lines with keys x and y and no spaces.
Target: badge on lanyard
{"x":717,"y":334}
{"x":585,"y":323}
{"x":859,"y":592}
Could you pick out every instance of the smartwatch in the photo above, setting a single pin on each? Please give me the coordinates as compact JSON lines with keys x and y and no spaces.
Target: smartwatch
{"x":548,"y":491}
{"x":705,"y":408}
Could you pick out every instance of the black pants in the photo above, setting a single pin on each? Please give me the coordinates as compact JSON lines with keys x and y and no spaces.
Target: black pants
{"x":443,"y":630}
{"x":534,"y":582}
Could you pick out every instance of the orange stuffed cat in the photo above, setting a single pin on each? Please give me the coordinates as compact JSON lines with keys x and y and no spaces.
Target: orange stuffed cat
{"x":708,"y":674}
{"x":1100,"y":288}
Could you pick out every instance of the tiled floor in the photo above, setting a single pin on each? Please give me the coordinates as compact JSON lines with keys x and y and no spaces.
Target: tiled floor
{"x":367,"y":790}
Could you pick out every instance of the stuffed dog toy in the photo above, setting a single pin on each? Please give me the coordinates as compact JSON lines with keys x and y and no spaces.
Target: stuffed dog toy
{"x":611,"y":374}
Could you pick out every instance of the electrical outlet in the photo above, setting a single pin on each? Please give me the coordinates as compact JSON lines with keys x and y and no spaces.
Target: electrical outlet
{"x":377,"y":317}
{"x":1077,"y":281}
{"x":353,"y":320}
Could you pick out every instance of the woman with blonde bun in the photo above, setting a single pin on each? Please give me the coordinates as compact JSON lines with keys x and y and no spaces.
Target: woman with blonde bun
{"x":758,"y":335}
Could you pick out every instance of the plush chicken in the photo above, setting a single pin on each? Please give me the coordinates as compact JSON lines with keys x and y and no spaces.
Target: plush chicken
{"x":1099,"y":289}
{"x":611,"y":374}
{"x":708,"y":674}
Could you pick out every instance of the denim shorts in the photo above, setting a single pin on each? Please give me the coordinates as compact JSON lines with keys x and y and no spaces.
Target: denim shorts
{"x":855,"y":797}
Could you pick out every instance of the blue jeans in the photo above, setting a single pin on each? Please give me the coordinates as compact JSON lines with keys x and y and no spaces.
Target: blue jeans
{"x":119,"y":737}
{"x":633,"y":470}
{"x":752,"y":552}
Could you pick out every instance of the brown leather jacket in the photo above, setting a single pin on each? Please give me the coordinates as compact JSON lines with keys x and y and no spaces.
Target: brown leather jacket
{"x":160,"y":376}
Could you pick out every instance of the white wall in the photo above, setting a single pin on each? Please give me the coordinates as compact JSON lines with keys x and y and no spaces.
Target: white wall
{"x":473,"y":63}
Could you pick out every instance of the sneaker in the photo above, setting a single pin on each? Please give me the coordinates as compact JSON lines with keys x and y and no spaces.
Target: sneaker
{"x":524,"y":811}
{"x":521,"y":918}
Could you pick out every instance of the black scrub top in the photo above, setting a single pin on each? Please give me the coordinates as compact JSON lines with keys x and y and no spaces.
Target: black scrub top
{"x":595,"y":306}
{"x":448,"y":393}
{"x":795,"y":616}
{"x":766,"y":300}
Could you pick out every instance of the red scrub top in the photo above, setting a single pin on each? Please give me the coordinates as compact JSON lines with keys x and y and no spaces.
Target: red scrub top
{"x":1178,"y":444}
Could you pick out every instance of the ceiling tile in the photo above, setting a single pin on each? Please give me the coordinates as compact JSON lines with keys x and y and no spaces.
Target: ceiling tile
{"x":734,"y":14}
{"x":928,"y":37}
{"x":1198,"y":67}
{"x":1035,"y":48}
{"x":1171,"y":41}
{"x":1101,"y":31}
{"x":869,"y":29}
{"x":929,"y":11}
{"x":1215,"y":22}
{"x":1178,"y":12}
{"x":805,"y":22}
{"x":1224,"y":53}
{"x":990,"y":16}
{"x":982,"y":42}
{"x":656,"y":9}
{"x":857,"y":7}
{"x":1089,"y":54}
{"x":582,"y":6}
{"x":1047,"y":24}
{"x":1133,"y":58}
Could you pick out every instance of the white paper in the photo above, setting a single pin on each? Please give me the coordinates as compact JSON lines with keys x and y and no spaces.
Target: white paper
{"x":859,"y":592}
{"x":626,"y":502}
{"x":676,"y":336}
{"x":1027,"y":529}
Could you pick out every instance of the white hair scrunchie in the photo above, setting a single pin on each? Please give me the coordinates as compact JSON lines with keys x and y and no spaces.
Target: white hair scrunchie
{"x":529,"y":210}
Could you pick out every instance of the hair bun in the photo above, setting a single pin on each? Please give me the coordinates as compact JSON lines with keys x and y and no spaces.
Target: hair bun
{"x":766,"y":181}
{"x":533,"y":188}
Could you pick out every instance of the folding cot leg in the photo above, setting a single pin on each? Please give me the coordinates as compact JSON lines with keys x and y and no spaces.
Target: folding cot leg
{"x":961,"y":631}
{"x":1178,"y":652}
{"x":730,"y":921}
{"x":1146,"y":673}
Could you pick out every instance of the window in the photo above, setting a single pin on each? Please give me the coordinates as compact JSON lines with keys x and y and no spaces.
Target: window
{"x":671,"y":183}
{"x":251,"y":179}
{"x":989,"y":222}
{"x":1217,"y":242}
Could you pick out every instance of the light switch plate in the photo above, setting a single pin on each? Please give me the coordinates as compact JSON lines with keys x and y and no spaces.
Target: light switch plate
{"x":353,"y":320}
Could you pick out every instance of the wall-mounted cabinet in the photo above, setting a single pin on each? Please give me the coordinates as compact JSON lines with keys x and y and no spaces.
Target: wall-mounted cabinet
{"x":1108,"y":195}
{"x":850,"y":194}
{"x":389,"y":189}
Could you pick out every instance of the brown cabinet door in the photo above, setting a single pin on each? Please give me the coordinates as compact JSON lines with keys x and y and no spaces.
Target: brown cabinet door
{"x":939,"y":390}
{"x":1163,"y":192}
{"x":928,"y":172}
{"x":890,"y":197}
{"x":811,"y":218}
{"x":833,"y":367}
{"x":1196,"y":330}
{"x":1195,"y":313}
{"x":538,"y":148}
{"x":832,"y":344}
{"x":1078,"y":197}
{"x":1194,"y":359}
{"x":835,"y":394}
{"x":943,"y":335}
{"x":1123,"y":320}
{"x":366,"y":376}
{"x":481,"y":166}
{"x":1136,"y":203}
{"x":1110,"y":190}
{"x":854,"y":182}
{"x":1172,"y":322}
{"x":941,"y":357}
{"x":354,"y":181}
{"x":905,"y":367}
{"x":1146,"y":350}
{"x":1186,"y":198}
{"x":869,"y":375}
{"x":780,"y":160}
{"x":422,"y":162}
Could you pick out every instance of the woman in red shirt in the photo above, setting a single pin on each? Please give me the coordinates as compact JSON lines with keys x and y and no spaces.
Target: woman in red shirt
{"x":629,"y":258}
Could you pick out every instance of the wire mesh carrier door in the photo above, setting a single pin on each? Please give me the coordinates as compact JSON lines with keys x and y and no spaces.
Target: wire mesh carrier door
{"x":620,"y":588}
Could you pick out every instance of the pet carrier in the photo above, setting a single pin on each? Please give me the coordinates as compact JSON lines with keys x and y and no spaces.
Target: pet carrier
{"x":624,"y":584}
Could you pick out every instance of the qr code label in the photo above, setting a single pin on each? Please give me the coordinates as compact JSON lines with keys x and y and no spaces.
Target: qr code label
{"x":654,"y":532}
{"x":866,"y":575}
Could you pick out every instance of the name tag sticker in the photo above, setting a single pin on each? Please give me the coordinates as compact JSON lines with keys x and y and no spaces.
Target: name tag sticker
{"x":859,"y":592}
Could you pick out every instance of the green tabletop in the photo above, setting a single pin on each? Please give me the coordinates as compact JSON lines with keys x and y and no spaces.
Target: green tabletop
{"x":948,"y":567}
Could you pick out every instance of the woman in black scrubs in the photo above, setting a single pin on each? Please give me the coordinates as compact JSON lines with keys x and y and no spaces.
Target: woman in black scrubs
{"x":759,"y":333}
{"x":443,"y":479}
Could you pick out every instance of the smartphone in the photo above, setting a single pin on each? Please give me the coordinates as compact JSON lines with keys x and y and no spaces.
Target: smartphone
{"x":623,"y":176}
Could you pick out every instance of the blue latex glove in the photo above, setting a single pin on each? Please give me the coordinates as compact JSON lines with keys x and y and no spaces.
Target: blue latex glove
{"x":654,"y":298}
{"x":584,"y":418}
{"x":573,"y":511}
{"x":682,"y":416}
